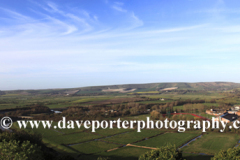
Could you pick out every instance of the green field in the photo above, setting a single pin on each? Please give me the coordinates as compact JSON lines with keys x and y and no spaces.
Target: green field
{"x":133,"y":136}
{"x":187,"y":96}
{"x":206,"y":115}
{"x":91,"y":99}
{"x":108,"y":132}
{"x":147,"y":92}
{"x":139,"y":117}
{"x":154,"y":102}
{"x":126,"y":153}
{"x":212,"y":143}
{"x":132,"y":153}
{"x":63,"y":136}
{"x":73,"y":138}
{"x":94,"y":147}
{"x":189,"y":156}
{"x":52,"y":106}
{"x":177,"y":139}
{"x":179,"y":117}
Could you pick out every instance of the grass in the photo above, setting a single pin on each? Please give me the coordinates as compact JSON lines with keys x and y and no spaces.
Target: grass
{"x":52,"y":106}
{"x":147,"y":92}
{"x":64,"y":136}
{"x":211,"y":104}
{"x":84,"y":100}
{"x":188,"y":116}
{"x":61,"y":148}
{"x":11,"y":95}
{"x":139,"y":117}
{"x":178,"y":107}
{"x":108,"y":132}
{"x":126,"y":153}
{"x":52,"y":132}
{"x":73,"y":138}
{"x":208,"y":96}
{"x":133,"y":136}
{"x":212,"y":143}
{"x":168,"y":138}
{"x":70,"y":131}
{"x":93,"y":147}
{"x":206,"y":115}
{"x":189,"y":156}
{"x":154,"y":102}
{"x":44,"y":132}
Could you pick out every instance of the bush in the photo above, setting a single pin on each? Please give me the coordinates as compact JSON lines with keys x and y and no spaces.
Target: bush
{"x":20,"y":151}
{"x":231,"y":153}
{"x":168,"y":152}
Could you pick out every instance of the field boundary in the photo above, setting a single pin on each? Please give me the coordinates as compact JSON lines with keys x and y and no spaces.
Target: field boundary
{"x":132,"y":145}
{"x":191,"y":140}
{"x":146,"y":138}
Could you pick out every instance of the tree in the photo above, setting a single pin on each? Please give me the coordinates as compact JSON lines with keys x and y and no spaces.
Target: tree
{"x":231,"y":153}
{"x":168,"y":152}
{"x":155,"y":115}
{"x":20,"y":151}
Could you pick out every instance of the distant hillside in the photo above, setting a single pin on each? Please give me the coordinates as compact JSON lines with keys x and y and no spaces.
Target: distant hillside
{"x":207,"y":86}
{"x":158,"y":86}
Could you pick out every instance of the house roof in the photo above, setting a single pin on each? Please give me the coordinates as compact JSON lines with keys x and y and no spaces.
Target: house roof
{"x":230,"y":117}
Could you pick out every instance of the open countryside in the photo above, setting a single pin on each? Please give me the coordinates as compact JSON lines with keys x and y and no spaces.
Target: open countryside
{"x":199,"y":102}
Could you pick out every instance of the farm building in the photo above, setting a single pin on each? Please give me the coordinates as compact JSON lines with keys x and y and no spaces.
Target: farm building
{"x":215,"y":112}
{"x":228,"y":117}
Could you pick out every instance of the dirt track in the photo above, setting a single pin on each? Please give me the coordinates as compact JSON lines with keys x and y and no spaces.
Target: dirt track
{"x":140,"y":146}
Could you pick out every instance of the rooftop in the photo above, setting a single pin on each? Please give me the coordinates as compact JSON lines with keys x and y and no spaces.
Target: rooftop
{"x":230,"y":117}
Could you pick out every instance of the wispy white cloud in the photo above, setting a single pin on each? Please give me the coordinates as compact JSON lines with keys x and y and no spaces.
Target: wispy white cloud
{"x":119,"y":3}
{"x":16,"y":15}
{"x":95,"y":17}
{"x":75,"y":18}
{"x":133,"y":21}
{"x":136,"y":21}
{"x":118,"y":8}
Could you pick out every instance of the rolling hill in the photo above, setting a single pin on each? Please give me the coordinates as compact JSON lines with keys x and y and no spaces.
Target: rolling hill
{"x":208,"y":86}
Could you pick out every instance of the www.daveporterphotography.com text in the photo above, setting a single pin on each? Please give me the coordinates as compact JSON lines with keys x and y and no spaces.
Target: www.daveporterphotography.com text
{"x":181,"y":125}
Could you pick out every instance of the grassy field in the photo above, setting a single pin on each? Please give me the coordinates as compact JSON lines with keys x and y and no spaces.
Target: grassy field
{"x":63,"y":136}
{"x":146,"y":92}
{"x":211,"y":104}
{"x":52,"y":106}
{"x":94,"y":147}
{"x":154,"y":102}
{"x":206,"y":115}
{"x":179,"y":117}
{"x":177,"y":139}
{"x":212,"y":143}
{"x":133,"y":153}
{"x":108,"y":132}
{"x":189,"y":156}
{"x":133,"y":136}
{"x":91,"y":99}
{"x":7,"y":106}
{"x":187,"y":96}
{"x":58,"y":139}
{"x":126,"y":153}
{"x":73,"y":138}
{"x":139,"y":117}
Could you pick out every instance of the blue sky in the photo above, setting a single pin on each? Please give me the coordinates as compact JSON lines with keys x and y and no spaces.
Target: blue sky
{"x":75,"y":43}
